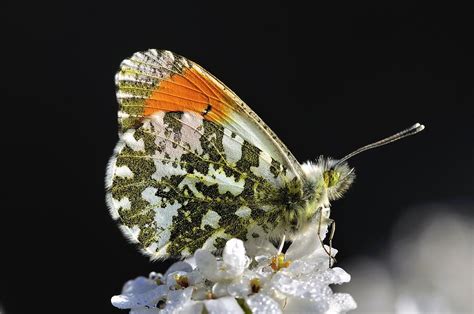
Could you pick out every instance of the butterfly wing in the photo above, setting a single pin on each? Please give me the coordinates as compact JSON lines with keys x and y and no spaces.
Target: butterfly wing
{"x":179,"y":182}
{"x":194,"y":166}
{"x":159,"y":80}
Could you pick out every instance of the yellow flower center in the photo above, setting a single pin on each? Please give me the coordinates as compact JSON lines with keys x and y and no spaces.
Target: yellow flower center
{"x":279,"y":262}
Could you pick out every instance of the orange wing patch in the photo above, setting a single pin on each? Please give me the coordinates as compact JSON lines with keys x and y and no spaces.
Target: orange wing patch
{"x":155,"y":81}
{"x":189,"y":91}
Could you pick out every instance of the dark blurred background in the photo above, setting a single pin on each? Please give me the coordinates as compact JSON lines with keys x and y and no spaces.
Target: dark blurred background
{"x":327,"y":78}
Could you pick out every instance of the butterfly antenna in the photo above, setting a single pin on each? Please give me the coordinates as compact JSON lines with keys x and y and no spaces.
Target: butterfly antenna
{"x":407,"y":132}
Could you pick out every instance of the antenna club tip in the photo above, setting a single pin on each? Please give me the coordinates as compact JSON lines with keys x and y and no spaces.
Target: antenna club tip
{"x":418,"y":126}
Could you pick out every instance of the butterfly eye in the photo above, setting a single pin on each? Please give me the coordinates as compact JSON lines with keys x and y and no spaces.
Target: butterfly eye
{"x":331,"y":177}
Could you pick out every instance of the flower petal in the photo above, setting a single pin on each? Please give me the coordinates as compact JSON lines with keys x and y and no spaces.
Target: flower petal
{"x":138,"y":285}
{"x":177,"y":300}
{"x":341,"y":303}
{"x":234,"y":254}
{"x":240,"y":288}
{"x":261,"y":303}
{"x":145,"y":310}
{"x":136,"y":300}
{"x":206,"y":263}
{"x":195,"y":278}
{"x":259,"y":246}
{"x":303,"y":288}
{"x":191,"y":261}
{"x":223,"y":305}
{"x":297,"y":305}
{"x":299,"y":267}
{"x":192,"y":307}
{"x":334,"y":275}
{"x":179,"y":266}
{"x":220,"y":289}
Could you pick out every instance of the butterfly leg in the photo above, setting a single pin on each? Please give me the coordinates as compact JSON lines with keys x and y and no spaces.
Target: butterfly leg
{"x":332,"y":260}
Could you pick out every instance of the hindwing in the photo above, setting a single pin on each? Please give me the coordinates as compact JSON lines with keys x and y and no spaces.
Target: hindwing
{"x":178,"y":182}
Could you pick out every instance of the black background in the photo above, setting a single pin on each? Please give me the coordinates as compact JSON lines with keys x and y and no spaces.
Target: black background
{"x":327,"y":78}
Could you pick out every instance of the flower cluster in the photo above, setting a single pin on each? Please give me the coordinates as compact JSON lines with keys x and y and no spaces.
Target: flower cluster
{"x":249,"y":278}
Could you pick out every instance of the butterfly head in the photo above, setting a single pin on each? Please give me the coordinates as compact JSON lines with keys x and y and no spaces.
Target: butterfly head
{"x":337,"y":177}
{"x":329,"y":174}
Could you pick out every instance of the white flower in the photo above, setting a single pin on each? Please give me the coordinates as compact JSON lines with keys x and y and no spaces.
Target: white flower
{"x":267,"y":282}
{"x":304,"y":284}
{"x":139,"y":292}
{"x":233,"y":263}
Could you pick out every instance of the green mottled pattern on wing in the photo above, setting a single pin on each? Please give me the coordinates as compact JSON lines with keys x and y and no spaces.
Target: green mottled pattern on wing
{"x":178,"y":183}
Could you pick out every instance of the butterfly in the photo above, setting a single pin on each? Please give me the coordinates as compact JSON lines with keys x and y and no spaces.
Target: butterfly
{"x":195,"y":166}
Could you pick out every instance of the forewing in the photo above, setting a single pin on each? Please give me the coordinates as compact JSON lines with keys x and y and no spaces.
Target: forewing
{"x":159,"y":80}
{"x":179,"y":182}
